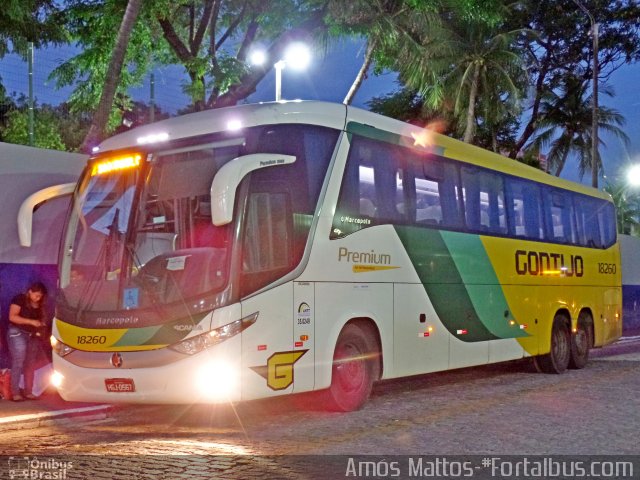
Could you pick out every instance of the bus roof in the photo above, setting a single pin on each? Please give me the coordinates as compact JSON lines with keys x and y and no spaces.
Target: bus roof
{"x":337,"y":116}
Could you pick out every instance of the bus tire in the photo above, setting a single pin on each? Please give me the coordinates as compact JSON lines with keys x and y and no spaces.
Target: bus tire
{"x":557,"y":360}
{"x":581,"y":341}
{"x":355,"y":367}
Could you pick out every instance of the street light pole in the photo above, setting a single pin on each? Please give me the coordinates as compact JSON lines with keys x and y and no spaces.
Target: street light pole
{"x":594,"y":125}
{"x":297,"y":57}
{"x":594,"y":112}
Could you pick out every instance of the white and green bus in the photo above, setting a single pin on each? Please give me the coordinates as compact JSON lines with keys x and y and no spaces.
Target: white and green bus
{"x":270,"y":249}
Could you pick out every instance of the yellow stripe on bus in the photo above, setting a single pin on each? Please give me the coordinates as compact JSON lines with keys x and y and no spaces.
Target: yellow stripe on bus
{"x":96,"y":339}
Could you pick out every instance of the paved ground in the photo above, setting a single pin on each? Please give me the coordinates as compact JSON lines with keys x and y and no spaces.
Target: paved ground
{"x":496,"y":410}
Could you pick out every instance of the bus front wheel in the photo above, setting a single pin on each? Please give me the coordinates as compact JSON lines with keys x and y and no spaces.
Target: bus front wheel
{"x":581,"y":341}
{"x":355,"y":367}
{"x":557,"y":360}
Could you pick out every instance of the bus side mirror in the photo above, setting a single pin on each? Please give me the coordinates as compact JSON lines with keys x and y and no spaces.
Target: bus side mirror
{"x":25,"y":214}
{"x":226,"y":181}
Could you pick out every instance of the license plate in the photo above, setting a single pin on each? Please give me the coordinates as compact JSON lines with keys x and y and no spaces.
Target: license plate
{"x":118,"y":385}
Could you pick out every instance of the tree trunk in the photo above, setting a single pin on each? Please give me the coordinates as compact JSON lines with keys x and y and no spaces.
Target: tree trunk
{"x":469,"y":131}
{"x":366,"y":63}
{"x":563,"y":161}
{"x":112,"y":79}
{"x":531,"y":126}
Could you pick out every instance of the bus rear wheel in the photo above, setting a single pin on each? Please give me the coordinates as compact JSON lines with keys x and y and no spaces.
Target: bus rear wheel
{"x":355,"y":367}
{"x":581,"y":342}
{"x":557,"y":360}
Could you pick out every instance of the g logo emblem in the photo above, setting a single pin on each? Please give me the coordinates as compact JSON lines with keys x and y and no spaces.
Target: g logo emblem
{"x":279,"y":369}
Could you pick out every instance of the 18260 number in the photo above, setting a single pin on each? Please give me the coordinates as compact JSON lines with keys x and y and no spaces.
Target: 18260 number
{"x":607,"y":268}
{"x":91,"y":340}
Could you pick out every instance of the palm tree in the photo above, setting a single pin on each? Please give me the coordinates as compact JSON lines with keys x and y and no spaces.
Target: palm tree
{"x":112,"y":78}
{"x":627,"y":207}
{"x":565,"y":125}
{"x":388,"y":26}
{"x":476,"y":72}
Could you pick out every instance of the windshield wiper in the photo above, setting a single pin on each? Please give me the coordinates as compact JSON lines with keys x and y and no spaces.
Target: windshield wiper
{"x":103,"y":261}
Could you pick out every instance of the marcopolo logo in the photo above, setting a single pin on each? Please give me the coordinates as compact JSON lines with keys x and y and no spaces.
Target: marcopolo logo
{"x":552,"y":264}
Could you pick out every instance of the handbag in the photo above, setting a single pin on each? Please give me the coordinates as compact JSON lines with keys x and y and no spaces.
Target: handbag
{"x":5,"y":383}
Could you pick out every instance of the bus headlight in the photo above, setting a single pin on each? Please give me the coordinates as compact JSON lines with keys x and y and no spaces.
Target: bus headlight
{"x":60,"y":348}
{"x":196,"y":344}
{"x":56,"y":379}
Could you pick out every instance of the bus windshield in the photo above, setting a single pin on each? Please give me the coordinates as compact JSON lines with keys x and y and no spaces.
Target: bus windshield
{"x":140,"y":234}
{"x":137,"y":244}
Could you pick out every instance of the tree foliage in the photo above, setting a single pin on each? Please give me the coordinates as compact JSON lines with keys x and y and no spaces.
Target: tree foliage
{"x":209,"y":38}
{"x":627,"y":207}
{"x":46,"y":132}
{"x":565,"y":125}
{"x":474,"y":65}
{"x":24,"y":21}
{"x":457,"y":56}
{"x":562,"y":47}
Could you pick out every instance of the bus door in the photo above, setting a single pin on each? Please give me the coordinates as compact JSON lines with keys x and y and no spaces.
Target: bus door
{"x":267,"y":346}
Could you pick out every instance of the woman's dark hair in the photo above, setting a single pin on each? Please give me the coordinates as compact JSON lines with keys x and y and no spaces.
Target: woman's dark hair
{"x":38,"y":287}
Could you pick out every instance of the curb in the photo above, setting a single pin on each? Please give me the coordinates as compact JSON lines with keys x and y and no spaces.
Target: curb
{"x":34,"y":420}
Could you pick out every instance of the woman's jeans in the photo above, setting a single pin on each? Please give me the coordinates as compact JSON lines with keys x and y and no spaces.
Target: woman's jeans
{"x":23,"y":350}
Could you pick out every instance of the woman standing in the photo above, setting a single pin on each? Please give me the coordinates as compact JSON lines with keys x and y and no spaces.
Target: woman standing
{"x":26,"y":320}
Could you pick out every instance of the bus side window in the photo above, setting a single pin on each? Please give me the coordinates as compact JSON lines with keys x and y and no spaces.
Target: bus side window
{"x":431,"y":191}
{"x":607,"y":222}
{"x":373,"y":187}
{"x":524,"y":209}
{"x":483,"y":200}
{"x":267,"y":244}
{"x":559,"y":217}
{"x":596,"y":222}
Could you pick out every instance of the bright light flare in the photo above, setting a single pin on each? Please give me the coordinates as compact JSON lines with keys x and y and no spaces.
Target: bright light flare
{"x":258,"y":57}
{"x":426,"y":137}
{"x":56,"y":379}
{"x":234,"y":125}
{"x":633,"y":176}
{"x":217,"y":380}
{"x":422,"y":139}
{"x":298,"y":56}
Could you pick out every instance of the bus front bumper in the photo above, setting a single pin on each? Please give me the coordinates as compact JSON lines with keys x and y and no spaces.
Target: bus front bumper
{"x":211,"y":376}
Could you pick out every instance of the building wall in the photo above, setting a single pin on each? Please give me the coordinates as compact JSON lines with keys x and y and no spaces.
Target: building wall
{"x":23,"y":171}
{"x":630,"y":252}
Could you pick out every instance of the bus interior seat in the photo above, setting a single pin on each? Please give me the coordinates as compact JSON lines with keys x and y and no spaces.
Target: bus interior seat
{"x":153,"y":244}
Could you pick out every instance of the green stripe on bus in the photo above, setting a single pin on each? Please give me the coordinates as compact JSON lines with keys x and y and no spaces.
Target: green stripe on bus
{"x":137,"y":336}
{"x":482,"y":284}
{"x":367,"y":131}
{"x":443,"y":283}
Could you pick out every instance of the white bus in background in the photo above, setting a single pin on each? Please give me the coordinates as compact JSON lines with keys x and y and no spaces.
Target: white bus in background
{"x":269,"y":249}
{"x":23,"y":172}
